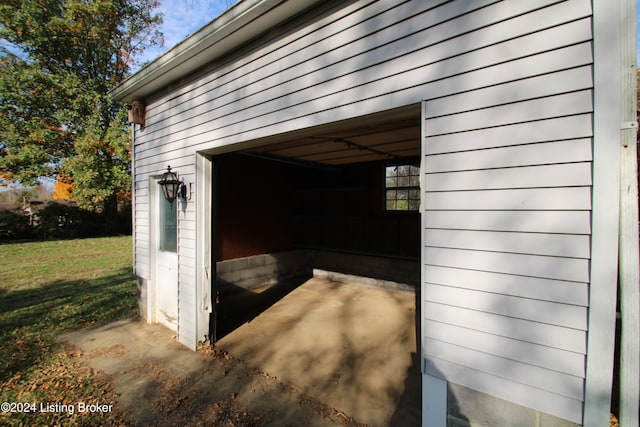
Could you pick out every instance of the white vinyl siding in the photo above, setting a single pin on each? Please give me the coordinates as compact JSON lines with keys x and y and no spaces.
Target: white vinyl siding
{"x":253,"y":96}
{"x":507,"y":199}
{"x":507,"y":168}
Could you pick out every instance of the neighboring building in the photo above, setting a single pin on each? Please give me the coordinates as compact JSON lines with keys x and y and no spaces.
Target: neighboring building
{"x":474,"y":143}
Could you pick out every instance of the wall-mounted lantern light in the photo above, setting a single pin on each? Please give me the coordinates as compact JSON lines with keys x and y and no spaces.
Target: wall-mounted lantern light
{"x":171,"y":186}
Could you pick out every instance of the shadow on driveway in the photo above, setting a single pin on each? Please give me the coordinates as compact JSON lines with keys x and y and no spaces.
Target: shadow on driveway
{"x":325,"y":354}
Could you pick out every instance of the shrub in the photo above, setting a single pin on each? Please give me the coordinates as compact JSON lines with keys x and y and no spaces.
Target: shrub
{"x":67,"y":221}
{"x":15,"y":225}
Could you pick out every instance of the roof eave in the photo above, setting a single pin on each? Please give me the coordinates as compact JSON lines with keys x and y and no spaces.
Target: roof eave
{"x":236,"y":26}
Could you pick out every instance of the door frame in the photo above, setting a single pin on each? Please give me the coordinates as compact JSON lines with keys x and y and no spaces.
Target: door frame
{"x":153,"y":290}
{"x":205,"y":256}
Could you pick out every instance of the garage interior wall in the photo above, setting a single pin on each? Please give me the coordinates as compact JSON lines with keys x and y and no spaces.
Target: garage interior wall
{"x":267,"y":206}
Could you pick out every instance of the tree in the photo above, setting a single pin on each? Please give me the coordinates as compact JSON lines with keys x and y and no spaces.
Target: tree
{"x":63,"y":187}
{"x":58,"y":59}
{"x":100,"y":163}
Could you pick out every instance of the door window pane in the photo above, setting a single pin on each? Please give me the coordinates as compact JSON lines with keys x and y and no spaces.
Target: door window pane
{"x":168,"y":223}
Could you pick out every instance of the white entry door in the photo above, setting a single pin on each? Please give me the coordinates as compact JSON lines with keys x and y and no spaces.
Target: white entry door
{"x":166,"y":261}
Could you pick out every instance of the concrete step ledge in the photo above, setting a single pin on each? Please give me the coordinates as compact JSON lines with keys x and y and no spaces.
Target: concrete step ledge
{"x":364,"y":281}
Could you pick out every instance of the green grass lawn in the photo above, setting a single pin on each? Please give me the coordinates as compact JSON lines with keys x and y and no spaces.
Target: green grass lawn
{"x":46,"y":289}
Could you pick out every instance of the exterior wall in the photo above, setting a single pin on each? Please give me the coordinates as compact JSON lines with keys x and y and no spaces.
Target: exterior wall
{"x":507,"y":171}
{"x":468,"y":408}
{"x":507,"y":198}
{"x":142,"y":287}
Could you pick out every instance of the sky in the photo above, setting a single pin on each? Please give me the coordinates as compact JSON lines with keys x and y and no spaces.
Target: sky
{"x":183,"y":18}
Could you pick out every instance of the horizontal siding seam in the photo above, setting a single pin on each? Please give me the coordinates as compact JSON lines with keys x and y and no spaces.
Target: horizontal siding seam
{"x":525,"y":34}
{"x":324,"y":95}
{"x":533,"y":143}
{"x":386,"y":60}
{"x":359,"y":100}
{"x":310,"y":33}
{"x":563,"y":279}
{"x":515,"y":80}
{"x":554,"y":130}
{"x":229,"y":83}
{"x":507,"y":378}
{"x":241,"y":64}
{"x":572,"y":340}
{"x":205,"y":131}
{"x":505,"y":188}
{"x":511,"y":124}
{"x":521,"y":166}
{"x":555,"y":233}
{"x":507,"y":315}
{"x":505,"y":252}
{"x":506,"y":210}
{"x":512,"y":295}
{"x":341,"y":46}
{"x":509,"y":337}
{"x":537,"y":365}
{"x":534,"y":98}
{"x":503,"y":273}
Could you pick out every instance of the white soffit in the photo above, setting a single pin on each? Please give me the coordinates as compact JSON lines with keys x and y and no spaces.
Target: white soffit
{"x":244,"y":21}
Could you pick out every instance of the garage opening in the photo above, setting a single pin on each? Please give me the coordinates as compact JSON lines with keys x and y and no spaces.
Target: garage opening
{"x":321,"y":230}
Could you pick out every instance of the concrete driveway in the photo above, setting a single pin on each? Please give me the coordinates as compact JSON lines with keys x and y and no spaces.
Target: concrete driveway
{"x":327,"y":353}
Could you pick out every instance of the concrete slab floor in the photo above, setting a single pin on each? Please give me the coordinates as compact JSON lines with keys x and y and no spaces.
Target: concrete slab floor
{"x":159,"y":382}
{"x":350,"y":346}
{"x":325,"y":354}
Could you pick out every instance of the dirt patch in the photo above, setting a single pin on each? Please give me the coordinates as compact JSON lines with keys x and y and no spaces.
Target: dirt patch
{"x":113,"y":351}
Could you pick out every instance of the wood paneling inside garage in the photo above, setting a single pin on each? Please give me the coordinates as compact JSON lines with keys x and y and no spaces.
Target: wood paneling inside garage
{"x":265,"y":206}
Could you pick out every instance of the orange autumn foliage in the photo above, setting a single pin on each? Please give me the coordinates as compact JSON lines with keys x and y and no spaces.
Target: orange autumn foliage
{"x":63,"y":188}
